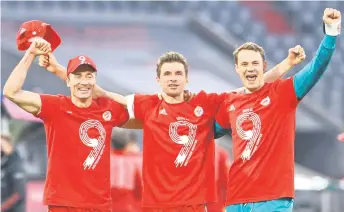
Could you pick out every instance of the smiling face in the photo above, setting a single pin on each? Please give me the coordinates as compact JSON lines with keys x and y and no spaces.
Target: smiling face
{"x":172,"y":71}
{"x":82,"y":82}
{"x":250,"y":64}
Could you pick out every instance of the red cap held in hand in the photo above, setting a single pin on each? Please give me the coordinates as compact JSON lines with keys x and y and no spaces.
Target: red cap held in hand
{"x":33,"y":29}
{"x":75,"y":62}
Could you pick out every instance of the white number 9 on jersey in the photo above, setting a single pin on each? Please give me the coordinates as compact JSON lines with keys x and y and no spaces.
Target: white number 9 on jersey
{"x":97,"y":144}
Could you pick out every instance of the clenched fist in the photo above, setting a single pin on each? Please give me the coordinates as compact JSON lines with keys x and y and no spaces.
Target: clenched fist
{"x":48,"y":61}
{"x":296,"y":55}
{"x":39,"y":47}
{"x":331,"y":16}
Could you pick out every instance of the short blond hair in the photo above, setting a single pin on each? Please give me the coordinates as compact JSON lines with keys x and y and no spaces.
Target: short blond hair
{"x":170,"y":57}
{"x":249,"y":46}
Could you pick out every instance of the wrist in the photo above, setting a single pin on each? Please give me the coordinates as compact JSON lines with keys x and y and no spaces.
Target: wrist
{"x":52,"y":69}
{"x":332,"y":29}
{"x":30,"y":54}
{"x":289,"y":63}
{"x":99,"y":92}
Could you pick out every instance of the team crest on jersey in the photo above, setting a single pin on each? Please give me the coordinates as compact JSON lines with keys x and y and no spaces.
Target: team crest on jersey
{"x":265,"y":101}
{"x":107,"y":115}
{"x":198,"y":111}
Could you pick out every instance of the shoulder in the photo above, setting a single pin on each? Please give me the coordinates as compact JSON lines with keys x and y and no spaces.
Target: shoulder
{"x":145,"y":98}
{"x":203,"y":96}
{"x":51,"y":97}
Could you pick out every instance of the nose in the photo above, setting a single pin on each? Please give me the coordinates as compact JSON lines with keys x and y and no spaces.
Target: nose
{"x":83,"y":81}
{"x":250,"y":68}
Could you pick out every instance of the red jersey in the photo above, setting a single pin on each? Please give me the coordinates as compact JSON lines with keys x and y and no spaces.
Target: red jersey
{"x":178,"y":149}
{"x":222,"y":163}
{"x":126,"y":183}
{"x":78,"y":142}
{"x":263,"y":131}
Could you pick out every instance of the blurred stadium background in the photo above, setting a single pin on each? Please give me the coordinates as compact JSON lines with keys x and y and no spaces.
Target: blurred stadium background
{"x":125,"y":39}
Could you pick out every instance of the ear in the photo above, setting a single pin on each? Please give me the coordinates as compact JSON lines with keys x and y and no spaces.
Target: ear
{"x":157,"y":79}
{"x":187,"y":79}
{"x":67,"y":82}
{"x":265,"y":65}
{"x":237,"y":68}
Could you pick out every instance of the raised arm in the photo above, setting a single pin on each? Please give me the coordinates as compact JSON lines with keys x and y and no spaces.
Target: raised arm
{"x":305,"y":79}
{"x":51,"y":64}
{"x":29,"y":101}
{"x":295,"y":56}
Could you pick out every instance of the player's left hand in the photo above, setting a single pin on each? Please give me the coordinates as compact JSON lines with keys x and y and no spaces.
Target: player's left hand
{"x":331,"y":16}
{"x":188,"y":95}
{"x":296,"y":55}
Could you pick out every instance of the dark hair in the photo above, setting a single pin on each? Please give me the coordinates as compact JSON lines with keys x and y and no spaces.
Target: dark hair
{"x":170,"y":57}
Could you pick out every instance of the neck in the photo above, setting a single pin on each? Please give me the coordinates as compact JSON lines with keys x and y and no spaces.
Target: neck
{"x":247,"y":90}
{"x":81,"y":103}
{"x":175,"y":99}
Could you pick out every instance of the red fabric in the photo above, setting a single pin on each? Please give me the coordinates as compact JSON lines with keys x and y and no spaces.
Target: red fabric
{"x":126,"y":181}
{"x":191,"y":208}
{"x":263,"y":132}
{"x":178,"y":149}
{"x":75,"y":62}
{"x":35,"y":28}
{"x":222,"y":163}
{"x":71,"y":209}
{"x":78,"y":142}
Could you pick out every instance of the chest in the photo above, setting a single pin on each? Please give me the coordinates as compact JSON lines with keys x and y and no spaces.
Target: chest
{"x":181,"y":118}
{"x":248,"y":115}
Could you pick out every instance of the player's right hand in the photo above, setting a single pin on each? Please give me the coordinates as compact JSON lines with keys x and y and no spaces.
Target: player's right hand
{"x":39,"y":47}
{"x":48,"y":61}
{"x":296,"y":55}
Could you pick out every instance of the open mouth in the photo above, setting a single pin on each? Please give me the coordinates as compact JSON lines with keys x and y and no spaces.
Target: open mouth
{"x":84,"y":90}
{"x":251,"y":77}
{"x":173,"y":86}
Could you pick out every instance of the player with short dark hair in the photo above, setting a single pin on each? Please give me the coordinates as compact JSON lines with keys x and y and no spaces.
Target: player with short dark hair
{"x":78,"y":130}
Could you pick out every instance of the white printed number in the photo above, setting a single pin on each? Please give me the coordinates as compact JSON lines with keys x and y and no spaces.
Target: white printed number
{"x":97,"y":144}
{"x":187,"y":141}
{"x":252,"y":136}
{"x":82,"y":59}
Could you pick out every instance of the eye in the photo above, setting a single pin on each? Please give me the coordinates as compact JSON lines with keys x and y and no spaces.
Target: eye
{"x":256,"y":63}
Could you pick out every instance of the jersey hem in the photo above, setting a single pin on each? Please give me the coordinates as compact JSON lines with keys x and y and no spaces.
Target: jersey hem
{"x":257,"y":199}
{"x":176,"y":204}
{"x":107,"y":206}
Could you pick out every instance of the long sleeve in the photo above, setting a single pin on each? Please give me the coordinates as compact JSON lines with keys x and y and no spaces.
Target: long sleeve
{"x":305,"y":79}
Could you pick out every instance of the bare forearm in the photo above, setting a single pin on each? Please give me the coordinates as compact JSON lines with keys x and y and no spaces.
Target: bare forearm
{"x":278,"y":71}
{"x":17,"y":78}
{"x":113,"y":96}
{"x":60,"y":71}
